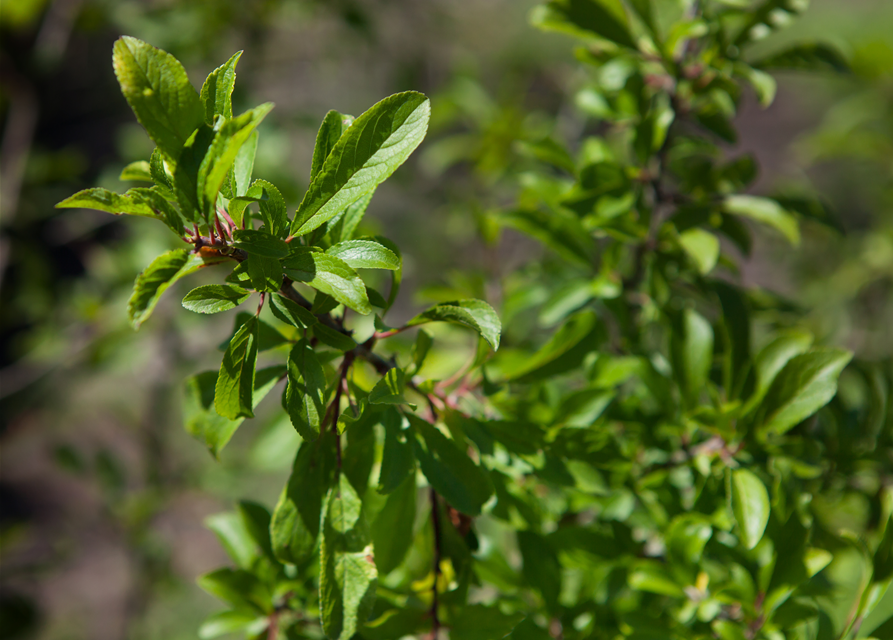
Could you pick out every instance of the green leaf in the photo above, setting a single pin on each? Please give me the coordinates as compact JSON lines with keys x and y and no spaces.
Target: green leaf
{"x":138,"y":171}
{"x":305,"y":395}
{"x":158,"y":172}
{"x":329,"y":275}
{"x":365,"y":254}
{"x":348,"y":576}
{"x":373,"y":147}
{"x":265,"y":273}
{"x":763,"y":84}
{"x":397,"y":460}
{"x":239,"y":588}
{"x":686,"y":538}
{"x":806,"y":384}
{"x":272,"y":207}
{"x":343,"y":226}
{"x":560,"y":230}
{"x":462,"y":483}
{"x":224,"y":622}
{"x":164,"y":271}
{"x":766,"y":211}
{"x":420,"y":349}
{"x":583,"y":407}
{"x":296,"y":519}
{"x":268,"y":337}
{"x":243,"y":166}
{"x":480,"y":622}
{"x":158,"y":90}
{"x":256,"y":518}
{"x":229,"y":136}
{"x":217,"y":91}
{"x":774,"y":356}
{"x":155,"y":200}
{"x":333,"y":126}
{"x":565,"y":350}
{"x":260,"y":242}
{"x":392,"y":528}
{"x":601,"y":18}
{"x":202,"y":420}
{"x":702,"y":247}
{"x":234,"y":536}
{"x":476,"y":314}
{"x":808,"y":56}
{"x":291,"y":312}
{"x":214,"y":298}
{"x":233,"y":396}
{"x":728,"y":630}
{"x":548,"y":151}
{"x":750,"y":505}
{"x":333,"y":337}
{"x":108,"y":201}
{"x":540,"y":567}
{"x":654,"y":577}
{"x":389,"y":389}
{"x":691,"y":352}
{"x":186,"y":173}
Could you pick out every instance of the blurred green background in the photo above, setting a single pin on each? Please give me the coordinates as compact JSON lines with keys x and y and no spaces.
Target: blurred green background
{"x":102,"y":493}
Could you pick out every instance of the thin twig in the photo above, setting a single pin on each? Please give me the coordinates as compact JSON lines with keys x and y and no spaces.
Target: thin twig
{"x":435,"y":521}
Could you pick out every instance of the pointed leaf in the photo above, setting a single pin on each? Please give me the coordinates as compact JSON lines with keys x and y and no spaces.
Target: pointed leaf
{"x":461,"y":482}
{"x":365,"y":254}
{"x":272,"y":206}
{"x":767,"y":211}
{"x":138,"y":171}
{"x":774,"y":356}
{"x":330,"y":131}
{"x":305,"y":395}
{"x":343,"y":226}
{"x":108,"y":201}
{"x":265,"y":273}
{"x":202,"y":420}
{"x":475,"y":314}
{"x":389,"y":390}
{"x":397,"y":460}
{"x":229,"y":136}
{"x":243,"y":166}
{"x":348,"y":576}
{"x":809,"y":56}
{"x":392,"y":528}
{"x":291,"y":312}
{"x":217,"y":91}
{"x":373,"y":147}
{"x":702,"y":247}
{"x":233,"y":396}
{"x":158,"y":90}
{"x":750,"y":505}
{"x":333,"y":337}
{"x":603,"y":18}
{"x":214,"y":298}
{"x":295,"y":523}
{"x":329,"y":275}
{"x":691,"y":352}
{"x":186,"y":173}
{"x":806,"y":384}
{"x":164,"y":271}
{"x":260,"y":242}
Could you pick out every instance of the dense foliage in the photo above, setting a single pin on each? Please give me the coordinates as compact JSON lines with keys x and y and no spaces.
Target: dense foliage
{"x":656,"y":451}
